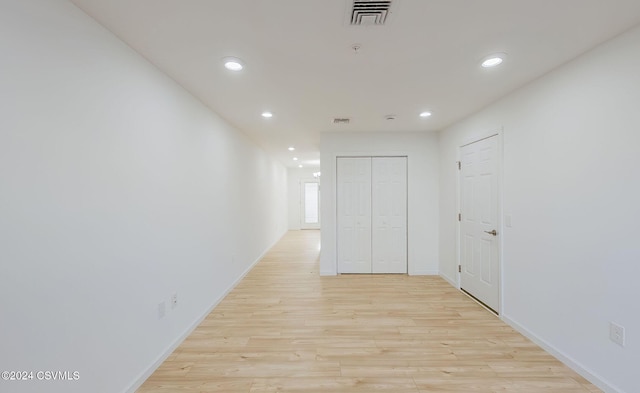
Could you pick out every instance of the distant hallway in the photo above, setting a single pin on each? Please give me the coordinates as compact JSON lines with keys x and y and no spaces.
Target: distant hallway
{"x":285,"y":328}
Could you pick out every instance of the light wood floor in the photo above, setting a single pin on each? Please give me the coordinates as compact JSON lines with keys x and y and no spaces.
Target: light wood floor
{"x":286,"y":329}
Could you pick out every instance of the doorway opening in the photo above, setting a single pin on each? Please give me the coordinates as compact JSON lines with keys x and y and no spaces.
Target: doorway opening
{"x":479,"y":221}
{"x":310,"y":214}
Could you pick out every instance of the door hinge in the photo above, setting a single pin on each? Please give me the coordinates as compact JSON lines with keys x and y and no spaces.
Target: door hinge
{"x":459,"y":165}
{"x":459,"y":216}
{"x":459,"y":268}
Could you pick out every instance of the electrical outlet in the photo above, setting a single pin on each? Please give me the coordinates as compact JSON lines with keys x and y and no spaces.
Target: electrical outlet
{"x":162,"y":310}
{"x":616,"y":333}
{"x":174,"y":300}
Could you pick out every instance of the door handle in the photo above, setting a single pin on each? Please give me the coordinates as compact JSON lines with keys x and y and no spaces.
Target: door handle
{"x":494,"y":233}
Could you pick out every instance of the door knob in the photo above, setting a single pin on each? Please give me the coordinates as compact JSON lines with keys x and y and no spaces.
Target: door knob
{"x":494,"y":233}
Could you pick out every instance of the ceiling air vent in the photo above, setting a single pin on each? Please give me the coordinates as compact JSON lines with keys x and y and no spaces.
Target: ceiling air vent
{"x":370,"y":12}
{"x":341,"y":120}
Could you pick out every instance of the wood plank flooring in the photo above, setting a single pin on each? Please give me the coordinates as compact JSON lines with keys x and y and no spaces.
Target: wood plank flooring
{"x":286,"y":329}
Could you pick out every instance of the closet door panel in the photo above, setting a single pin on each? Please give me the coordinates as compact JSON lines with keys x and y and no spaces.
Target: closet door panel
{"x":389,"y":214}
{"x":354,"y":214}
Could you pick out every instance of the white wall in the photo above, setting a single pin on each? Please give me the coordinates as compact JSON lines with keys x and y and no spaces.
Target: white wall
{"x":422,"y":152}
{"x":295,"y":176}
{"x":572,"y":258}
{"x":117,"y":188}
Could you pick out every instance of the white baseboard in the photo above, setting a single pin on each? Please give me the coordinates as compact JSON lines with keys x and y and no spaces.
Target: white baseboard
{"x":412,"y":273}
{"x":564,"y":358}
{"x":424,"y":273}
{"x":176,"y":343}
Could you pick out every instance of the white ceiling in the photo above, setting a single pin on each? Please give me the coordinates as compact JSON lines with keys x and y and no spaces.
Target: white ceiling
{"x":300,"y":65}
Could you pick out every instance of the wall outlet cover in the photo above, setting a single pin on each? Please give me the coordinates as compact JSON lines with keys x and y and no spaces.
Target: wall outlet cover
{"x":616,"y":333}
{"x":174,"y":300}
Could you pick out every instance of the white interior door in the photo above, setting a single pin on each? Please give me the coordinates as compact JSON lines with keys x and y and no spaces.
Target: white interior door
{"x":354,"y":214}
{"x":389,"y":214}
{"x":310,"y":192}
{"x":479,"y":221}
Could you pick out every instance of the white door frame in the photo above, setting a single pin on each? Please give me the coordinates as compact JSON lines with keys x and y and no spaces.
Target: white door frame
{"x":467,"y":141}
{"x":334,"y":184}
{"x":330,"y":188}
{"x":303,"y":224}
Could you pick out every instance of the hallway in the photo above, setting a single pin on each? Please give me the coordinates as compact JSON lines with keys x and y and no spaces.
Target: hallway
{"x":284,"y":328}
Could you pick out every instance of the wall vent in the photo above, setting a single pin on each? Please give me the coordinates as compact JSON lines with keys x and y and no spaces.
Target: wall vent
{"x":370,"y":12}
{"x":341,"y":120}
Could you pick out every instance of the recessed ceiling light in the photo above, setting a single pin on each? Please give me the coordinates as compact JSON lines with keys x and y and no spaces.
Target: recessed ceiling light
{"x":295,"y":158}
{"x":300,"y":166}
{"x":291,"y":148}
{"x":425,"y":114}
{"x":233,"y":63}
{"x":267,"y":114}
{"x":493,"y":60}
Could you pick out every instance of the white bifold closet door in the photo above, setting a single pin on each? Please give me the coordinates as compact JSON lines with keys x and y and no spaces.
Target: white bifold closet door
{"x":372,"y":214}
{"x":389,"y":214}
{"x":354,"y":215}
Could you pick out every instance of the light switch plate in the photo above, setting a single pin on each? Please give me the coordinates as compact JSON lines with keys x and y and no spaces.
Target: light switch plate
{"x":616,"y":333}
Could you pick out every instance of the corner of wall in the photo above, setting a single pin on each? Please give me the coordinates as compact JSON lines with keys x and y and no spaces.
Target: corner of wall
{"x":449,"y":279}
